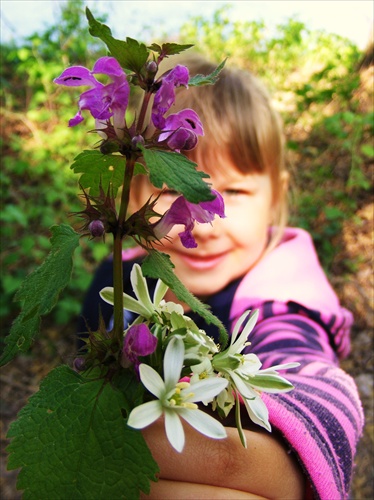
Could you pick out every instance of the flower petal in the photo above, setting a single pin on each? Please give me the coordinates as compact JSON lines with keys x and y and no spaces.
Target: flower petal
{"x":215,"y":206}
{"x":237,"y":326}
{"x":75,"y":76}
{"x":151,"y":380}
{"x":206,"y":390}
{"x":186,"y":213}
{"x":140,"y":287}
{"x":250,"y":364}
{"x":243,"y":337}
{"x":145,"y":414}
{"x":275,"y":368}
{"x":203,"y":423}
{"x":159,"y":293}
{"x":173,"y":362}
{"x":244,"y":389}
{"x":138,"y":341}
{"x":108,"y":66}
{"x":174,"y":429}
{"x":270,"y":383}
{"x":258,"y":412}
{"x":76,"y":120}
{"x":129,"y":303}
{"x":165,"y":96}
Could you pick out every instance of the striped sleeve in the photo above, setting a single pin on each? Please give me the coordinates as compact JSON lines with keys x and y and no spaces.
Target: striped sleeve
{"x":321,"y":418}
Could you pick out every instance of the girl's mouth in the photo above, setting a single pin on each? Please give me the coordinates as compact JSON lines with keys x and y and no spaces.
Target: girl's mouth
{"x":202,"y":263}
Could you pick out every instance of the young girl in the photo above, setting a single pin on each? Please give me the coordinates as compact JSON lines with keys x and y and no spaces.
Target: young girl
{"x":250,"y":260}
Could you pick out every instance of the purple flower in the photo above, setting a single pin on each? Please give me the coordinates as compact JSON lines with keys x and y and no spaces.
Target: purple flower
{"x":138,"y":341}
{"x":165,"y":96}
{"x":103,"y":101}
{"x":181,"y":130}
{"x":186,"y":213}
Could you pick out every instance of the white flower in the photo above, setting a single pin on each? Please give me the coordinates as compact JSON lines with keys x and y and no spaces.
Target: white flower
{"x":143,"y":306}
{"x":246,"y":377}
{"x":168,"y":315}
{"x":177,"y":399}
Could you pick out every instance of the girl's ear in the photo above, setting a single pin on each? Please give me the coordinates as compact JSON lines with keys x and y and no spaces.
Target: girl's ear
{"x":279,"y":210}
{"x":284,"y":181}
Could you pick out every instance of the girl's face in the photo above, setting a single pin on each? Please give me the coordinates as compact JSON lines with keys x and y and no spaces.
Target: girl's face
{"x":228,"y":247}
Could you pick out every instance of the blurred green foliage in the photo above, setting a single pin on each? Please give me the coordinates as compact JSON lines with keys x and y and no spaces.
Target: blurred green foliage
{"x":312,"y":75}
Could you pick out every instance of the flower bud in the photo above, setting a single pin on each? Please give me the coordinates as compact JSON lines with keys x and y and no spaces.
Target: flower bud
{"x":138,"y":341}
{"x":151,"y":67}
{"x":138,"y":139}
{"x":96,"y":228}
{"x":79,"y":364}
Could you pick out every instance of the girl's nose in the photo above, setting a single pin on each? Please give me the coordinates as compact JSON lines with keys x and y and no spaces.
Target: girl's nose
{"x":206,"y":231}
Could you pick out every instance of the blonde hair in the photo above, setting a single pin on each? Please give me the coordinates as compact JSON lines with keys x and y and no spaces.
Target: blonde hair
{"x":239,"y":121}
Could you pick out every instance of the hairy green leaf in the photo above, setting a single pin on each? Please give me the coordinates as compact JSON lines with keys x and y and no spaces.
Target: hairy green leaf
{"x":99,"y":169}
{"x":72,"y":441}
{"x":169,"y":49}
{"x":158,"y":265}
{"x":40,"y":290}
{"x":199,"y":80}
{"x":178,"y":173}
{"x":130,"y":54}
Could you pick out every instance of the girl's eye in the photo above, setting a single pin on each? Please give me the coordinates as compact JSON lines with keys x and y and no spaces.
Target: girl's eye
{"x":169,"y":192}
{"x":236,"y":192}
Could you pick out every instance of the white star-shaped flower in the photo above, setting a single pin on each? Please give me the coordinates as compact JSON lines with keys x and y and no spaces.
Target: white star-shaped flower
{"x":246,"y":378}
{"x":176,"y":400}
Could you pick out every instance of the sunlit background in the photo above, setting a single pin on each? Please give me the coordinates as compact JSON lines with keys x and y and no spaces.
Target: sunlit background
{"x":349,"y":18}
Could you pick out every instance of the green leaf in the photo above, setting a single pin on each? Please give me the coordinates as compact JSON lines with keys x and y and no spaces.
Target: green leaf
{"x":140,"y":169}
{"x":158,"y":265}
{"x":97,"y":168}
{"x":169,"y":49}
{"x":198,"y":80}
{"x":178,"y":173}
{"x":40,"y":290}
{"x":72,"y":441}
{"x":130,"y":54}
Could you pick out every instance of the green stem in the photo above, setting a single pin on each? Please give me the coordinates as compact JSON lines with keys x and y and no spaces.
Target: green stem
{"x":117,"y":247}
{"x":118,"y":288}
{"x":143,"y":112}
{"x":117,"y":251}
{"x":125,"y":197}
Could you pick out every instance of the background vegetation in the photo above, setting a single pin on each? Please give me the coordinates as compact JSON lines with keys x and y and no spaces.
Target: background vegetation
{"x":322,"y":85}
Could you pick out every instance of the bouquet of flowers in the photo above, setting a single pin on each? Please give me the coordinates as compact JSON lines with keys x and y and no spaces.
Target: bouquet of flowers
{"x":78,"y":436}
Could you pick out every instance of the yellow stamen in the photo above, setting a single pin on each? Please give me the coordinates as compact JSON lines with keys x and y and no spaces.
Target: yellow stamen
{"x":191,"y":406}
{"x":182,"y":385}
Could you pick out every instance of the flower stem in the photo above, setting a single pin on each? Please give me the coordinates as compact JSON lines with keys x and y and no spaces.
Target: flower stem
{"x":118,"y":289}
{"x":143,"y":112}
{"x":117,"y":252}
{"x":125,"y":197}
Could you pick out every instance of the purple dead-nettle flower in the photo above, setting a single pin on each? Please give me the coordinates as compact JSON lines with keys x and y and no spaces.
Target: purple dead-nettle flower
{"x":103,"y":101}
{"x":181,"y":130}
{"x":186,"y":213}
{"x":138,"y":341}
{"x":165,"y":96}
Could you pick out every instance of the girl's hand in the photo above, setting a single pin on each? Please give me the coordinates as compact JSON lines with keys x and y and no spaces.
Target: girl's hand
{"x":210,"y":468}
